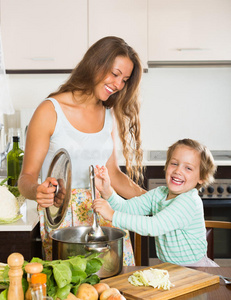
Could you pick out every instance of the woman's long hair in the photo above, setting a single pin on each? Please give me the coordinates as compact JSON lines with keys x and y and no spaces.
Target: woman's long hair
{"x":95,"y":65}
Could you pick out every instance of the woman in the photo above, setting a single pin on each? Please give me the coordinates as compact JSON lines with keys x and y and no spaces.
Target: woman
{"x":81,"y":117}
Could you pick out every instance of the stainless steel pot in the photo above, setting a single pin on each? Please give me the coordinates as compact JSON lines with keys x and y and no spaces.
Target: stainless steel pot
{"x":71,"y":241}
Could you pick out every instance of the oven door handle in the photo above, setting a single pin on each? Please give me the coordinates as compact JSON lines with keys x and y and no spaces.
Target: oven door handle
{"x":217,"y":203}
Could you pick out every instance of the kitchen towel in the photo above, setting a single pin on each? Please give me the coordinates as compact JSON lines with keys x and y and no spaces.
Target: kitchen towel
{"x":6,"y":106}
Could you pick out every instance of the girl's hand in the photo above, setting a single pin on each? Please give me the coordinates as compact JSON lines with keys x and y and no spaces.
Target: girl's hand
{"x":46,"y":191}
{"x":102,"y":207}
{"x":102,"y":182}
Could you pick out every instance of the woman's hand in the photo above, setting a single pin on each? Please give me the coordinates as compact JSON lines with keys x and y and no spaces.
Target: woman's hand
{"x":102,"y":207}
{"x":46,"y":191}
{"x":102,"y":182}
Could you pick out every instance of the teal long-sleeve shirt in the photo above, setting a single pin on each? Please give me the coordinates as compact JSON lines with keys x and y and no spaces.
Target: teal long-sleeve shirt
{"x":178,"y":224}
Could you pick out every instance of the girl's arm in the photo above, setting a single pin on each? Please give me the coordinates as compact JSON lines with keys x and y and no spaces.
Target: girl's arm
{"x":103,"y":182}
{"x":136,"y":206}
{"x":132,"y":214}
{"x":102,"y":207}
{"x":40,"y":129}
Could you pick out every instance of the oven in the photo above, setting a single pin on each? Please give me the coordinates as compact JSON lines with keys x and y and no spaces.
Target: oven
{"x":217,"y":206}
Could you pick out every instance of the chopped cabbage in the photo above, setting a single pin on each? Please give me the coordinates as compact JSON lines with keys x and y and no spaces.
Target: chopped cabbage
{"x":156,"y":278}
{"x":9,"y":206}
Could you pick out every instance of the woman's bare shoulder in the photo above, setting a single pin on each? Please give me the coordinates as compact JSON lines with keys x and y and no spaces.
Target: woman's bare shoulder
{"x":46,"y":104}
{"x":45,"y":108}
{"x":44,"y":116}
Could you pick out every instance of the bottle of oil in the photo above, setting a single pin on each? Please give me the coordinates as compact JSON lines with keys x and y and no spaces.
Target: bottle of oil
{"x":14,"y":162}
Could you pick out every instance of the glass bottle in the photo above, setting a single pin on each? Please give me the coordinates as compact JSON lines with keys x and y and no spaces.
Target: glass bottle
{"x":31,"y":268}
{"x":14,"y":162}
{"x":38,"y":286}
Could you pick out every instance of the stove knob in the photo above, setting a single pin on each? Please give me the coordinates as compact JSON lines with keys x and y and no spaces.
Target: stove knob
{"x":202,"y":190}
{"x":229,"y":189}
{"x":210,"y":189}
{"x":220,"y":189}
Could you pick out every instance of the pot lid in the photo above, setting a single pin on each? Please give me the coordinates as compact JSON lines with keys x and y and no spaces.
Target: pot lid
{"x":60,"y":169}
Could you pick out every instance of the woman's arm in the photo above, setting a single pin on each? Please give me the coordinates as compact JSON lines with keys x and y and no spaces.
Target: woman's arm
{"x":40,"y":129}
{"x":120,"y":182}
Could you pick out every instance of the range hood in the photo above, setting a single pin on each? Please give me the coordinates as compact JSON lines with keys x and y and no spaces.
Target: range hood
{"x":189,"y":63}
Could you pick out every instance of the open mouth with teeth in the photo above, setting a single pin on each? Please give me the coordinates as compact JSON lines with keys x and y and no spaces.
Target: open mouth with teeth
{"x":177,"y":181}
{"x":109,"y":89}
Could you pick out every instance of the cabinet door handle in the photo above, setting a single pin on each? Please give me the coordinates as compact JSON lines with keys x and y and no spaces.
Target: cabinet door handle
{"x":37,"y":239}
{"x":42,"y":58}
{"x":190,"y":49}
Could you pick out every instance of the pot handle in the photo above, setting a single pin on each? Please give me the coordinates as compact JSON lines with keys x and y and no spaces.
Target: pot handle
{"x":97,"y":249}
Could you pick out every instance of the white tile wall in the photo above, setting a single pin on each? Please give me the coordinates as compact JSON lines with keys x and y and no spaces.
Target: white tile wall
{"x":176,"y":103}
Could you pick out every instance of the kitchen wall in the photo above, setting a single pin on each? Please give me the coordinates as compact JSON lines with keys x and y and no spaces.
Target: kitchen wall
{"x":175,"y":103}
{"x":186,"y":102}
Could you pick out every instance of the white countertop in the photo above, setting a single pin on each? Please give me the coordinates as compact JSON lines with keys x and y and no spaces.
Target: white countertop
{"x":149,"y":161}
{"x":29,"y":220}
{"x":162,"y":163}
{"x":154,"y":163}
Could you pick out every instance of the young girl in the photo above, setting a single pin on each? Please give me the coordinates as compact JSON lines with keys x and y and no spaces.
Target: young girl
{"x":174,"y":214}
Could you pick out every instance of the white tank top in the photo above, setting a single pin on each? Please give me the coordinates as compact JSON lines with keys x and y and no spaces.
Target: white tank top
{"x":85,"y":149}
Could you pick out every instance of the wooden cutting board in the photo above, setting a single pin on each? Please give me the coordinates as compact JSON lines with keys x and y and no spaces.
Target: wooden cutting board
{"x":185,"y":280}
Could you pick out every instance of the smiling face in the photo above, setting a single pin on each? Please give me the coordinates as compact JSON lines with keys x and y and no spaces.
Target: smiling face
{"x":116,"y":79}
{"x":183,"y":171}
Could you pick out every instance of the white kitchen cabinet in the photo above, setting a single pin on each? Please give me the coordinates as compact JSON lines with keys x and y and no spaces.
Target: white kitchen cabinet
{"x":123,"y":18}
{"x":189,"y":30}
{"x":43,"y":34}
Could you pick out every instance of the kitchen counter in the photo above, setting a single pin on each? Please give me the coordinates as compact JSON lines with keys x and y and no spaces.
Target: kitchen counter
{"x":29,"y":220}
{"x":22,"y":236}
{"x":154,"y":163}
{"x":162,"y":163}
{"x":158,"y":158}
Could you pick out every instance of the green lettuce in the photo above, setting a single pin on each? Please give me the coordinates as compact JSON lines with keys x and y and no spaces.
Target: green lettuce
{"x":63,"y":276}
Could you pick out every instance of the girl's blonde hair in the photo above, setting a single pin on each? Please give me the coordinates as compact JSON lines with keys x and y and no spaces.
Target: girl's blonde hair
{"x":95,"y":65}
{"x":207,"y":165}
